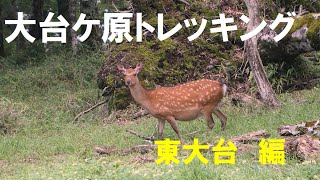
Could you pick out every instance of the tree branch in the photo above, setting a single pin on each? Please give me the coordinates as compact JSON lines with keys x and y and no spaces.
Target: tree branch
{"x":185,"y":2}
{"x":141,"y":136}
{"x":90,"y":109}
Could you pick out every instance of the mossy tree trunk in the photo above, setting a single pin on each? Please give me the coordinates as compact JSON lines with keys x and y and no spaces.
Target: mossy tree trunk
{"x":252,"y":54}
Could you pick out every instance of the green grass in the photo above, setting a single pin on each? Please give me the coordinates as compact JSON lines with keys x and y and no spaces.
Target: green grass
{"x":38,"y":104}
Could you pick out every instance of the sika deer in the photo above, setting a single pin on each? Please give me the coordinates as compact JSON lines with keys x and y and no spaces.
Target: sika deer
{"x":183,"y":102}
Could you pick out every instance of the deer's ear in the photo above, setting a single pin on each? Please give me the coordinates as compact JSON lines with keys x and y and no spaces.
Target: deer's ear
{"x":138,"y":68}
{"x":121,"y":68}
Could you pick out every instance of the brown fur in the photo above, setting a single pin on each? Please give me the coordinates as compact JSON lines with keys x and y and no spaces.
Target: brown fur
{"x":183,"y":102}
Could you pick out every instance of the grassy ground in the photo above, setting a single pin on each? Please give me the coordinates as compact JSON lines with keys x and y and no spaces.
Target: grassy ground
{"x":38,"y":104}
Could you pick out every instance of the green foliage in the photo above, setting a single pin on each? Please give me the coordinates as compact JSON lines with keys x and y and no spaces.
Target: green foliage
{"x":32,"y":54}
{"x":278,"y":76}
{"x":58,"y":71}
{"x":282,"y":74}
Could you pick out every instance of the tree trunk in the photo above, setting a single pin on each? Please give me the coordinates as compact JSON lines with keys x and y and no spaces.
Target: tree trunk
{"x":252,"y":54}
{"x":89,"y":7}
{"x":1,"y":32}
{"x":63,"y":9}
{"x":37,"y":14}
{"x":20,"y":40}
{"x":73,"y":19}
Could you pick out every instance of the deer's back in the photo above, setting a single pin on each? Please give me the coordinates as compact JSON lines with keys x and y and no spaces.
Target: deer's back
{"x":186,"y":101}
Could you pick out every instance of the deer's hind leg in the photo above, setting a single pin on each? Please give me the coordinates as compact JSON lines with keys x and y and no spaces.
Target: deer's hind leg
{"x":222,"y":118}
{"x":210,"y":121}
{"x":207,"y":113}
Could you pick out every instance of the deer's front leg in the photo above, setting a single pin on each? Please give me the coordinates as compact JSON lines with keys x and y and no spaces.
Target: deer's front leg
{"x":174,"y":126}
{"x":161,"y":123}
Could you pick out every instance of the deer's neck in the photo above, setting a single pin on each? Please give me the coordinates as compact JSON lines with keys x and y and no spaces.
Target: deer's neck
{"x":140,"y":95}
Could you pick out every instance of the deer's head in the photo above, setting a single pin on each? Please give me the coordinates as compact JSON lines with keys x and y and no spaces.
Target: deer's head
{"x":131,"y":75}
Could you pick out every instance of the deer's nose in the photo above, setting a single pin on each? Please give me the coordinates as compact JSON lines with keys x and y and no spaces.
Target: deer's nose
{"x":128,"y":82}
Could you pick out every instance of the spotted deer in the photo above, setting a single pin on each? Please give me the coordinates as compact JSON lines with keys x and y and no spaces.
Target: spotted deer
{"x":183,"y":102}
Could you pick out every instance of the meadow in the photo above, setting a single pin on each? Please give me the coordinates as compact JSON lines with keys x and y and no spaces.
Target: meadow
{"x":39,"y":140}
